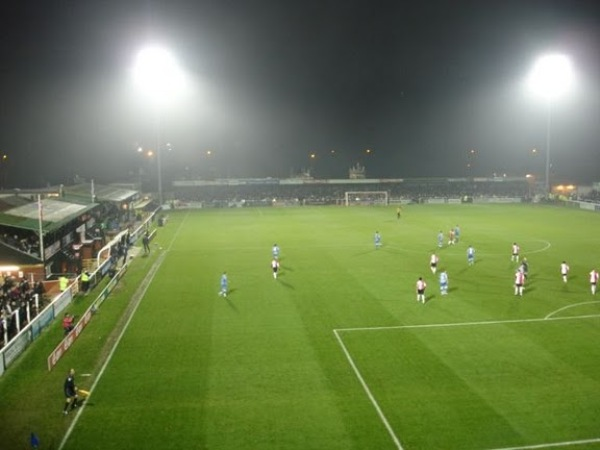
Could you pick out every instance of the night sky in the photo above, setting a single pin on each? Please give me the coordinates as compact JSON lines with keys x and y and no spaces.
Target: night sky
{"x":419,"y":84}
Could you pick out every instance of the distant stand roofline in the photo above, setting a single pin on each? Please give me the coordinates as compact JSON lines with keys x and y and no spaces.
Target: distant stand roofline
{"x":81,"y":192}
{"x":348,"y":181}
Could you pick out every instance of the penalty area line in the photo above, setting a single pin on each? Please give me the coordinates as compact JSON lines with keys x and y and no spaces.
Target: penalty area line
{"x":465,"y":324}
{"x":552,"y":444}
{"x":370,"y":395}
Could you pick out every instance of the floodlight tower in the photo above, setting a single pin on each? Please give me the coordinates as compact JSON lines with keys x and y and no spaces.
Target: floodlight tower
{"x":551,"y":77}
{"x":159,"y":76}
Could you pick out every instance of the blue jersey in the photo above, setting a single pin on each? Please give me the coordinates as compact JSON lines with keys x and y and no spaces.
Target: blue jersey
{"x":443,"y":279}
{"x":275,"y":251}
{"x":440,"y":239}
{"x":470,"y":256}
{"x":444,"y":283}
{"x":224,"y":282}
{"x":377,"y":239}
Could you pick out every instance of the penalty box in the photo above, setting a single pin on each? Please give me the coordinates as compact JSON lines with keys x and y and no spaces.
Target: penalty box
{"x":482,"y":385}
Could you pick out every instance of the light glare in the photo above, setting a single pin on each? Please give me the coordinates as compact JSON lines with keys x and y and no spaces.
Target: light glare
{"x":552,"y":75}
{"x":157,"y":73}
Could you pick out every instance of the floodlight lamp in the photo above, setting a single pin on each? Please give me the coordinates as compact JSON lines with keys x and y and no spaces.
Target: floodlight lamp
{"x":552,"y":75}
{"x":157,"y":73}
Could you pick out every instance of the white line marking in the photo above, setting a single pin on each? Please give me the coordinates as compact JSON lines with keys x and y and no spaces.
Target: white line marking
{"x":368,"y":392}
{"x":447,"y":325}
{"x":569,"y":306}
{"x":554,"y":444}
{"x":145,"y":285}
{"x":543,"y":249}
{"x":464,"y":324}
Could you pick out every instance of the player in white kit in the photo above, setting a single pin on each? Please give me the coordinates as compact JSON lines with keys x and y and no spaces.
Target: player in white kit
{"x":594,"y":280}
{"x":421,"y":285}
{"x":275,"y":267}
{"x":564,"y":271}
{"x":515,"y":252}
{"x":519,"y":282}
{"x":433,"y":262}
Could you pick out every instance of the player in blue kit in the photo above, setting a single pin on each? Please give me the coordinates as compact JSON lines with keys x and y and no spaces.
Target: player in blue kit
{"x":377,"y":240}
{"x":470,"y":255}
{"x":224,"y":285}
{"x":443,"y":282}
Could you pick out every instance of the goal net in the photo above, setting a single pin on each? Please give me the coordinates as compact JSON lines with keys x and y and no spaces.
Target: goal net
{"x":365,"y":198}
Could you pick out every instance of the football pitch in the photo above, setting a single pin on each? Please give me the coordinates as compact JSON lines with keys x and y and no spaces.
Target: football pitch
{"x":336,"y":353}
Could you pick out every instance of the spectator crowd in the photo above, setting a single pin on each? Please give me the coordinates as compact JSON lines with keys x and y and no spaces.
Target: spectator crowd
{"x":316,"y":192}
{"x":16,"y":295}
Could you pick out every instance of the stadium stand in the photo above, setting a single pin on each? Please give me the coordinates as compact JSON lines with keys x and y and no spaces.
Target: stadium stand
{"x":74,"y":226}
{"x":269,"y":191}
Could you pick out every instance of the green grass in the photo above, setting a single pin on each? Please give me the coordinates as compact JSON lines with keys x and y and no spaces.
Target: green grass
{"x":336,"y":353}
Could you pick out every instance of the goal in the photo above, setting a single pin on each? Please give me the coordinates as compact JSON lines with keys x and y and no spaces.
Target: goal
{"x":366,"y":198}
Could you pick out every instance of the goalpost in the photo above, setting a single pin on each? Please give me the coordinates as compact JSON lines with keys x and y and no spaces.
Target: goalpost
{"x":366,"y":198}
